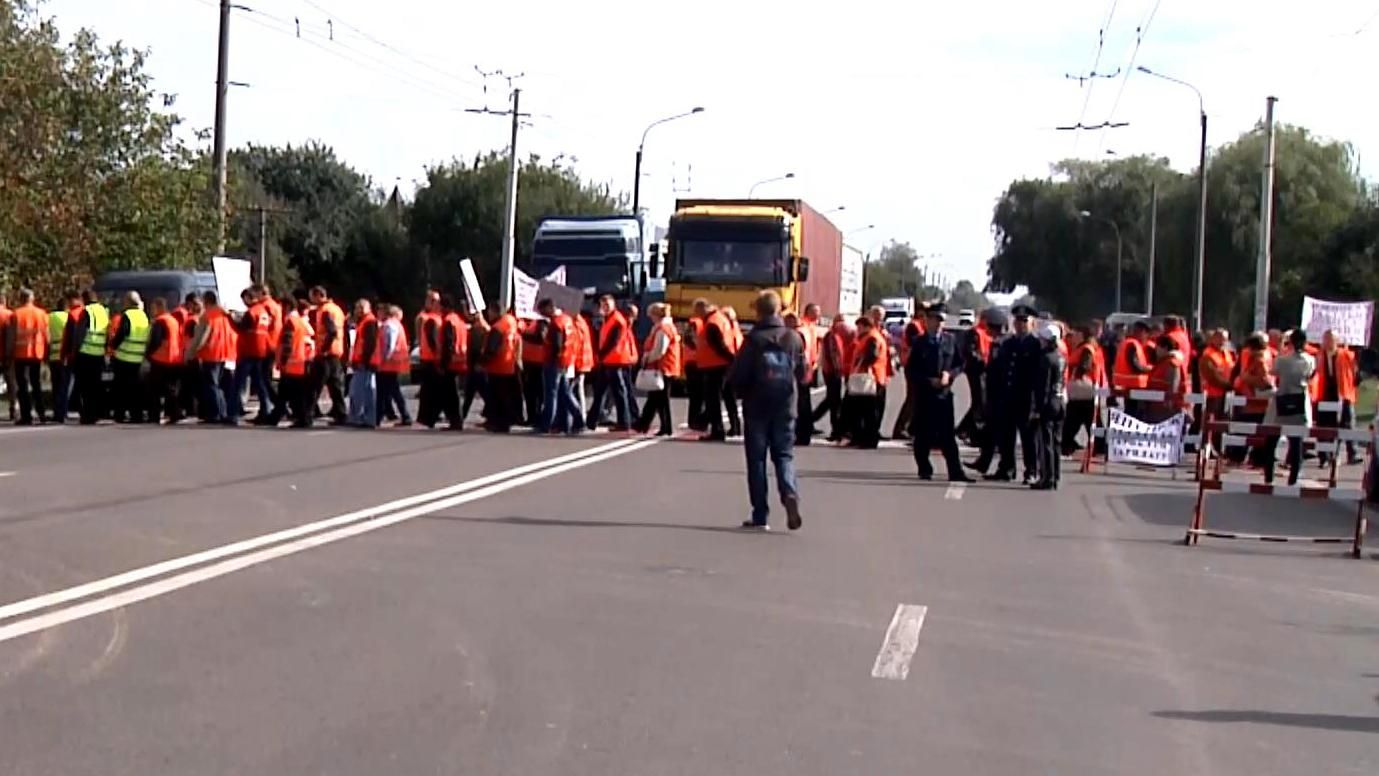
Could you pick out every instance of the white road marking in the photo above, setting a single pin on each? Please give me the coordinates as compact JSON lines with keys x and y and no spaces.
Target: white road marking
{"x":28,"y":429}
{"x":322,"y":432}
{"x":177,"y":564}
{"x":955,"y":491}
{"x":902,"y":639}
{"x":3,"y":475}
{"x":171,"y":584}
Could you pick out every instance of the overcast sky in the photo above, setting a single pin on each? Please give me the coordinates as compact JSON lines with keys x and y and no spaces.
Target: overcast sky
{"x":914,"y":116}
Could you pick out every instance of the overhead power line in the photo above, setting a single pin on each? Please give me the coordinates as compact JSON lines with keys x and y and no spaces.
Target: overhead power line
{"x":1141,"y":32}
{"x":1090,"y":80}
{"x":386,"y":45}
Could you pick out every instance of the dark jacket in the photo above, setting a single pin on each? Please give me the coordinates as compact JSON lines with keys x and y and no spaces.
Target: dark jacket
{"x":743,"y":372}
{"x":1012,"y":374}
{"x":1048,"y":396}
{"x":931,"y":356}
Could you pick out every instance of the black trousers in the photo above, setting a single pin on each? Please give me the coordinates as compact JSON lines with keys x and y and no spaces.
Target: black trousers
{"x":295,"y":394}
{"x":503,"y":403}
{"x":832,"y":406}
{"x":932,"y":427}
{"x":901,"y":429}
{"x":533,"y":391}
{"x":694,"y":390}
{"x":162,"y":397}
{"x":61,"y":376}
{"x":88,"y":371}
{"x":390,"y":398}
{"x":449,"y":400}
{"x":1081,"y":413}
{"x":712,"y":384}
{"x":1047,"y":432}
{"x":612,"y":383}
{"x":129,"y":397}
{"x":1006,"y":430}
{"x":657,"y":405}
{"x":475,"y":383}
{"x":189,"y":390}
{"x":804,"y":416}
{"x":974,"y":420}
{"x":29,"y":389}
{"x":864,"y":420}
{"x":328,"y":373}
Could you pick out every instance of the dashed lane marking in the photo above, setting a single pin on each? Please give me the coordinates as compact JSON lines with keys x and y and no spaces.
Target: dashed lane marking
{"x":902,"y":639}
{"x":955,"y":491}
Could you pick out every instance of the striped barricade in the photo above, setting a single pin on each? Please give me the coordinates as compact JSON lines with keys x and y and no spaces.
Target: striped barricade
{"x":1104,"y":431}
{"x":1214,"y":445}
{"x":1234,"y":434}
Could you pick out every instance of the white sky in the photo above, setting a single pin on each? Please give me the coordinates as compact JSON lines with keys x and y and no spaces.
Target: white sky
{"x":915,"y":116}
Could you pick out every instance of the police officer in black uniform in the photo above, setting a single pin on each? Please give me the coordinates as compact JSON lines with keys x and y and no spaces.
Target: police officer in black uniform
{"x":1010,"y":384}
{"x":935,"y":364}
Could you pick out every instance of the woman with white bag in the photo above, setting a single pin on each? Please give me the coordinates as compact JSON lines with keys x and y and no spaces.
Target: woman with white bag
{"x":863,"y":404}
{"x":661,"y":363}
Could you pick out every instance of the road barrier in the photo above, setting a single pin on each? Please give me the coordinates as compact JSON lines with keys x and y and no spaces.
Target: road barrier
{"x":1214,"y":445}
{"x":1234,"y":434}
{"x":1110,"y":436}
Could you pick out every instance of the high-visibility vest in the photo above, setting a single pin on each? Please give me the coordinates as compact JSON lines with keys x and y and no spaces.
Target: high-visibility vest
{"x":569,"y":350}
{"x":839,"y":343}
{"x":275,"y":320}
{"x":459,"y":342}
{"x":504,"y":361}
{"x":135,"y":343}
{"x":881,"y":367}
{"x":1251,"y":362}
{"x":97,"y":321}
{"x":670,"y":363}
{"x":1161,"y":378}
{"x":1345,"y":373}
{"x":258,"y":341}
{"x":624,"y":351}
{"x":1223,"y":363}
{"x":6,"y":315}
{"x":398,"y":360}
{"x":302,"y":350}
{"x":584,"y":357}
{"x":1123,"y":376}
{"x":357,"y":350}
{"x":331,"y":310}
{"x":692,"y":343}
{"x":1097,"y":374}
{"x":1183,"y":341}
{"x":189,"y":323}
{"x":169,"y":352}
{"x":533,"y":351}
{"x":984,"y":346}
{"x":30,"y":333}
{"x":709,"y":358}
{"x":57,"y":327}
{"x":220,"y":343}
{"x":809,"y":332}
{"x":429,"y":354}
{"x":917,"y":327}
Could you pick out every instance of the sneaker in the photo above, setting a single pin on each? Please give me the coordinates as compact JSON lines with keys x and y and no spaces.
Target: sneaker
{"x":792,"y":512}
{"x":999,"y":477}
{"x":748,"y":525}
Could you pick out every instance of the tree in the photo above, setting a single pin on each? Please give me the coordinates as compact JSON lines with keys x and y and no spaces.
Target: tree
{"x":896,"y":272}
{"x":965,"y":296}
{"x":92,"y":178}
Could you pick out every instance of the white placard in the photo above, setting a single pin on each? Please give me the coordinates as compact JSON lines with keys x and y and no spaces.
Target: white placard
{"x":1350,"y":321}
{"x":232,"y":276}
{"x":524,"y":290}
{"x":471,"y":285}
{"x":1133,"y":441}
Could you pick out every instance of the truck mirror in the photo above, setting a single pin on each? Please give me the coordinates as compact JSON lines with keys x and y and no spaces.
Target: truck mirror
{"x":804,"y":269}
{"x":655,"y":261}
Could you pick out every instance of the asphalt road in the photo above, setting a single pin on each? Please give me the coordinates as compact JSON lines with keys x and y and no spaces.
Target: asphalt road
{"x":171,"y":603}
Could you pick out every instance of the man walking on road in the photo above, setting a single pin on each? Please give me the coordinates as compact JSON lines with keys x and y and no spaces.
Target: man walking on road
{"x":766,"y":374}
{"x":26,"y":341}
{"x":84,"y":348}
{"x":933,"y":364}
{"x":365,"y":358}
{"x":329,"y":367}
{"x":617,"y":354}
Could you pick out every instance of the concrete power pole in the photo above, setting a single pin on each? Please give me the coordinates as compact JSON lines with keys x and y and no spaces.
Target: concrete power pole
{"x":222,"y":86}
{"x":1153,"y":246}
{"x":510,"y":223}
{"x":1266,"y":222}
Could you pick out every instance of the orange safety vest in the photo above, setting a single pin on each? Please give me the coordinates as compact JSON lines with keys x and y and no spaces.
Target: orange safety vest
{"x":584,"y":357}
{"x":504,"y":362}
{"x":810,"y":334}
{"x":984,"y":344}
{"x":275,"y":320}
{"x":169,"y":352}
{"x":30,"y":333}
{"x":1252,"y":361}
{"x":303,"y":349}
{"x":918,"y":327}
{"x":1097,"y":374}
{"x":569,"y":351}
{"x":691,"y":345}
{"x":708,"y":358}
{"x":1345,"y":374}
{"x":219,"y":346}
{"x":258,"y":341}
{"x":1123,"y":376}
{"x":398,"y":361}
{"x":1161,"y":379}
{"x":670,"y":364}
{"x":533,"y":352}
{"x":429,"y":355}
{"x":357,"y":350}
{"x":459,"y":331}
{"x":1183,"y":341}
{"x":624,"y":352}
{"x":841,"y":340}
{"x":881,"y":367}
{"x":189,"y":323}
{"x":331,"y":310}
{"x":1223,"y":363}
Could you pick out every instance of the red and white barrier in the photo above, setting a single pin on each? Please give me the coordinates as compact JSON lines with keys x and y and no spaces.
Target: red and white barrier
{"x":1185,"y":401}
{"x":1243,"y":434}
{"x":1234,"y":434}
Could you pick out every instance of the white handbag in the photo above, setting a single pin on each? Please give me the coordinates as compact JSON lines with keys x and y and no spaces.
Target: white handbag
{"x":861,"y":384}
{"x":1081,"y":389}
{"x":650,"y":380}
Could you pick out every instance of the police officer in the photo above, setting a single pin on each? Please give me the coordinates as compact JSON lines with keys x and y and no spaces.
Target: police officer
{"x":933,"y":366}
{"x":1010,"y":383}
{"x":1048,"y":404}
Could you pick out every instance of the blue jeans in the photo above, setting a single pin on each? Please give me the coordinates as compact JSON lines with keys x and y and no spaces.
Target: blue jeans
{"x":252,"y":372}
{"x":363,"y":401}
{"x":773,"y":435}
{"x":559,"y":408}
{"x":615,"y":383}
{"x":212,"y":392}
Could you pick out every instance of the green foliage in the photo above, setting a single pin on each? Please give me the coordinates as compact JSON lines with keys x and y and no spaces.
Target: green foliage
{"x":965,"y":296}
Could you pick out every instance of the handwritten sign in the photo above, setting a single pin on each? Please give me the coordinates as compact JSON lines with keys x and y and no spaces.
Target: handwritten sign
{"x":1134,"y":441}
{"x":471,"y":285}
{"x":1350,"y":321}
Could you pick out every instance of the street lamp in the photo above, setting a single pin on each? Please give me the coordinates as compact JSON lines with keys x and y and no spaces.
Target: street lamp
{"x":752,"y":191}
{"x":637,"y":175}
{"x":1199,"y":267}
{"x":1119,"y":246}
{"x":833,"y":210}
{"x":851,"y":232}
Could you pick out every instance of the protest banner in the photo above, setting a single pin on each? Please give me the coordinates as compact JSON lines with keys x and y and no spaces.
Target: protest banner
{"x":1133,"y":441}
{"x":232,"y":276}
{"x":1351,"y":321}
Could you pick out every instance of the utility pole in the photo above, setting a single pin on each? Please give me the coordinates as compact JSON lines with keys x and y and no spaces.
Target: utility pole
{"x":263,"y":238}
{"x":1199,"y":267}
{"x":1153,"y":245}
{"x":510,"y":221}
{"x":222,"y":86}
{"x":1266,"y":222}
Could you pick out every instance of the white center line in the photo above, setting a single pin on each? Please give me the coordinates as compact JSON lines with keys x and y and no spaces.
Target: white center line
{"x":955,"y":491}
{"x":3,"y":475}
{"x":902,"y":639}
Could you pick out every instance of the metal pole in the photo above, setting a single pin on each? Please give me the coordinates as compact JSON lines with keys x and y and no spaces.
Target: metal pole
{"x":1266,"y":222}
{"x":510,"y":222}
{"x":1119,"y":263}
{"x":221,"y":92}
{"x":637,"y":184}
{"x":1199,"y":267}
{"x":1153,"y":246}
{"x":263,"y":244}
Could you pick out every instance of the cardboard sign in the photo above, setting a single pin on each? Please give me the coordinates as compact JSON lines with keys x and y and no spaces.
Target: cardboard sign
{"x":471,"y":285}
{"x":1134,"y":441}
{"x":232,"y":276}
{"x":1351,"y":321}
{"x":528,"y":290}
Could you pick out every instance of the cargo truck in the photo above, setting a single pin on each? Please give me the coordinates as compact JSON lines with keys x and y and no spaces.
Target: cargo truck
{"x":730,"y":250}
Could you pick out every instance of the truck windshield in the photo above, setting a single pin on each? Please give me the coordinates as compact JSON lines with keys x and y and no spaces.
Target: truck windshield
{"x":603,"y":278}
{"x":583,"y":248}
{"x":731,"y":262}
